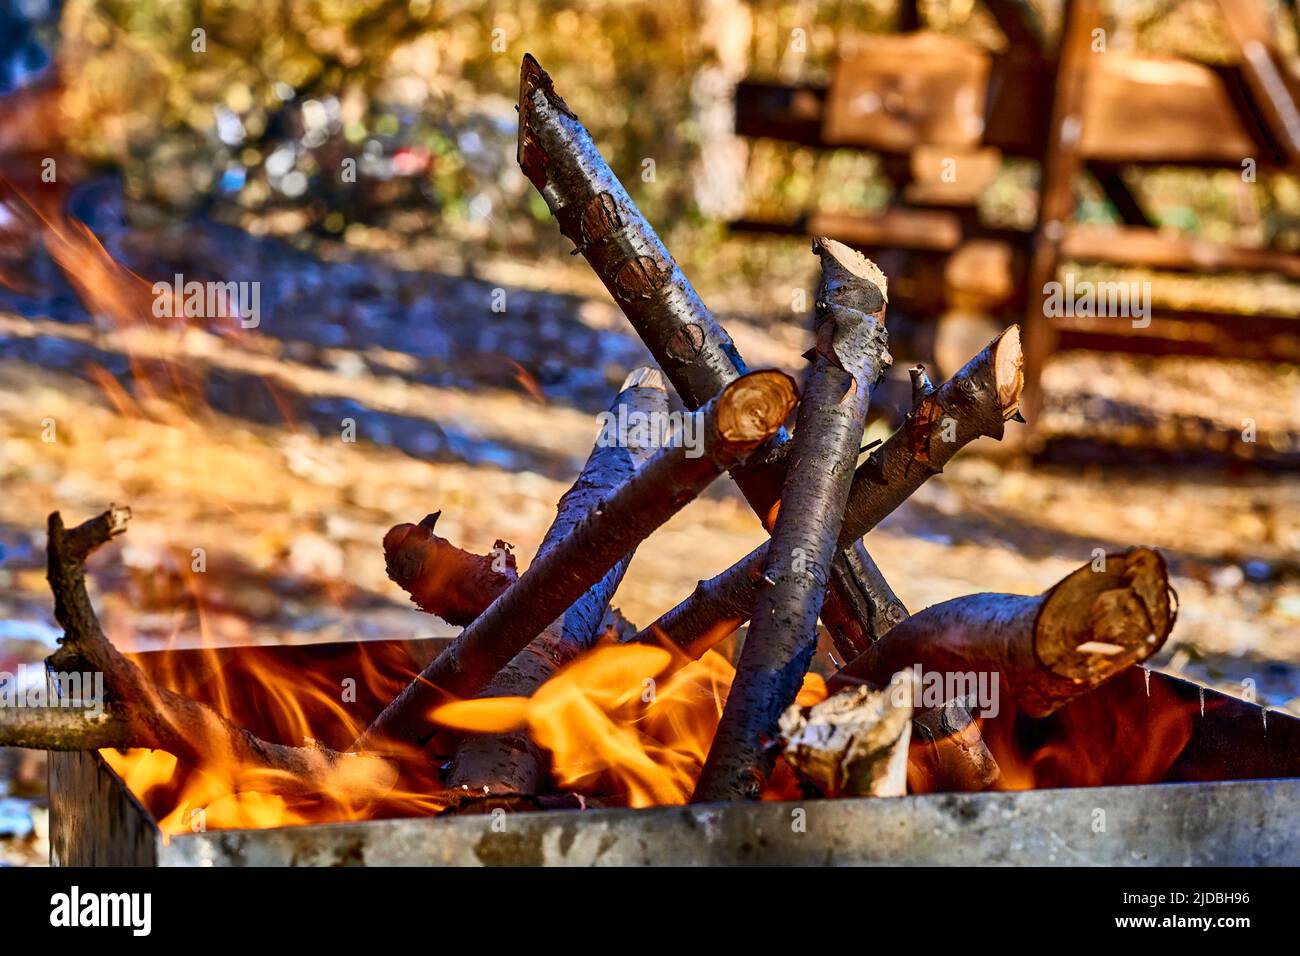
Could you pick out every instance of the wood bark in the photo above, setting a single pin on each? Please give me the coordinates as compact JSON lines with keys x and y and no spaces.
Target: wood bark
{"x":740,"y":419}
{"x":1045,"y":649}
{"x":511,"y":762}
{"x":975,"y":402}
{"x":852,"y":744}
{"x":849,"y":358}
{"x":949,"y":753}
{"x":595,"y":212}
{"x":144,"y":714}
{"x":443,"y":579}
{"x":65,"y":728}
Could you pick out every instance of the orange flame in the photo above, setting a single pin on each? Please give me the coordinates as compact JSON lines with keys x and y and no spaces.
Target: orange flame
{"x":631,"y":722}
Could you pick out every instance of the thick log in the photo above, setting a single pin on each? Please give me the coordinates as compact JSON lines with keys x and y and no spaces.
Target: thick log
{"x":849,"y":358}
{"x":975,"y":402}
{"x":163,"y":719}
{"x":1044,"y":649}
{"x":511,"y":762}
{"x":744,"y":416}
{"x":595,"y":212}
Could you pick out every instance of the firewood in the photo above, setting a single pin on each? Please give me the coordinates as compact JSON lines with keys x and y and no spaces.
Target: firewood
{"x":595,"y":212}
{"x":849,"y":357}
{"x":511,"y":762}
{"x":144,"y":714}
{"x":975,"y":402}
{"x":948,"y":751}
{"x":1043,"y":648}
{"x":443,"y":579}
{"x":745,"y":415}
{"x":65,"y":728}
{"x":852,"y":744}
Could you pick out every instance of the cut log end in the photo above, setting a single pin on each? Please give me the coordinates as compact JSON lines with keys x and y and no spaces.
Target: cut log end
{"x":1096,"y":623}
{"x":852,"y":744}
{"x":754,"y":407}
{"x":1008,"y":370}
{"x":644,"y":377}
{"x":838,"y":259}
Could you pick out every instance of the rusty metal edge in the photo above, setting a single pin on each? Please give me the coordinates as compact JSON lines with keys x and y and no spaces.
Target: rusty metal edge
{"x":1182,"y":824}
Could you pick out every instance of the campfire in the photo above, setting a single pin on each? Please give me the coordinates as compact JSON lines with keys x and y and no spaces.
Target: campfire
{"x":550,"y":700}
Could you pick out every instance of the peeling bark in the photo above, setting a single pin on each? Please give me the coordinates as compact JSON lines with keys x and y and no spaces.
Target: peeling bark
{"x":161,"y":718}
{"x":849,"y":358}
{"x":975,"y":402}
{"x":745,"y":415}
{"x":1045,"y":649}
{"x":512,"y":763}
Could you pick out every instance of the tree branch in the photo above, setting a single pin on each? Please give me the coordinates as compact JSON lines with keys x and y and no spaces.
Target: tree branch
{"x":595,"y":212}
{"x":973,"y":403}
{"x":161,"y":718}
{"x":849,"y":358}
{"x":745,"y":415}
{"x":511,"y":762}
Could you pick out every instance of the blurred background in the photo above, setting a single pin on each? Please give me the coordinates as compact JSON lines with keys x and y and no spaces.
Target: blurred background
{"x":357,"y":161}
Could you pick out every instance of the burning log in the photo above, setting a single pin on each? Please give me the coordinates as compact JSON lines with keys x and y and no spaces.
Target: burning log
{"x":595,"y":212}
{"x":975,"y":402}
{"x":745,"y":415}
{"x":949,"y":752}
{"x":144,"y":714}
{"x":853,"y":744}
{"x":1045,"y":649}
{"x":512,"y":762}
{"x":848,"y":359}
{"x":441,"y":578}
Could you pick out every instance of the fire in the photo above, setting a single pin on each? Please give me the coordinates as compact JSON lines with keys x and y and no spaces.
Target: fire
{"x":1091,"y":743}
{"x":630,"y":722}
{"x":273,"y":695}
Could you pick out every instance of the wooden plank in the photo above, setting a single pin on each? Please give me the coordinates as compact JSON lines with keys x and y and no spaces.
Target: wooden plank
{"x":1162,"y":110}
{"x":1062,"y":163}
{"x":925,"y":230}
{"x":1137,"y":110}
{"x":773,"y":111}
{"x":1159,"y":249}
{"x":897,"y":92}
{"x":1271,"y":89}
{"x":1268,"y":338}
{"x":950,"y":175}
